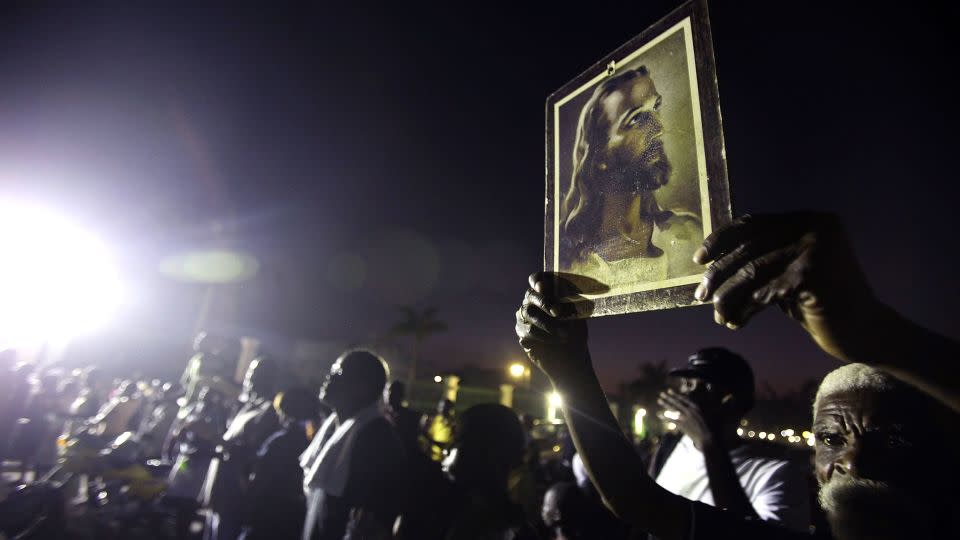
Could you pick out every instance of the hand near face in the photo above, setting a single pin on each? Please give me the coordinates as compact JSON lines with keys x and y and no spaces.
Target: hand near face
{"x":801,"y":262}
{"x":699,"y":421}
{"x":557,"y":346}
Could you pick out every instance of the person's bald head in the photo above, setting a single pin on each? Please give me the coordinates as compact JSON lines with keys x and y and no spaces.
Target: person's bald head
{"x":356,"y":380}
{"x":261,"y":377}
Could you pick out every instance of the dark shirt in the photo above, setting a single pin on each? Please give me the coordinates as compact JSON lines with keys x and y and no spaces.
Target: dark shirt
{"x":375,"y":484}
{"x":439,"y":509}
{"x":406,"y":422}
{"x":275,"y":501}
{"x":277,"y":471}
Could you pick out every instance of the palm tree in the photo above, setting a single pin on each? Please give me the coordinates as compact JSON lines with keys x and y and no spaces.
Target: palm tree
{"x":419,"y":325}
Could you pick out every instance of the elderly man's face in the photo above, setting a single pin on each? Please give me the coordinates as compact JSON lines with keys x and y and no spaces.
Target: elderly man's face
{"x":867,"y":449}
{"x":862,"y":434}
{"x":634,"y":149}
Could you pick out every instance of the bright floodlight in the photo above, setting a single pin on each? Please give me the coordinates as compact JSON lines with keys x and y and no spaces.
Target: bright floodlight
{"x":517,"y":370}
{"x":56,"y":281}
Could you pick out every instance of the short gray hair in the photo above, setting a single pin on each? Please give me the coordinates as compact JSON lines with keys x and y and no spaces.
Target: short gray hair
{"x":853,"y":377}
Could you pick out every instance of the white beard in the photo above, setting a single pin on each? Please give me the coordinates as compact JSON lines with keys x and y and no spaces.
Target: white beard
{"x":858,"y":509}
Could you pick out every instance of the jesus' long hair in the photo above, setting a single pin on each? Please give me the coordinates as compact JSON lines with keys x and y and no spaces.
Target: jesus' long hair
{"x":578,"y":210}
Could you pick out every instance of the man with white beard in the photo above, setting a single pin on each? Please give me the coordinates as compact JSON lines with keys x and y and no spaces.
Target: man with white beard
{"x":872,"y":432}
{"x":884,"y":451}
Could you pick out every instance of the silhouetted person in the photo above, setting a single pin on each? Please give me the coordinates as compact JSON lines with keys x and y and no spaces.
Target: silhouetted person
{"x":93,"y":393}
{"x":405,"y":420}
{"x":211,"y":365}
{"x":707,"y":461}
{"x":275,"y":503}
{"x":567,"y":513}
{"x":121,"y":413}
{"x":255,"y":420}
{"x":470,"y":499}
{"x":199,"y":425}
{"x":34,"y":435}
{"x":354,"y":466}
{"x":159,"y":420}
{"x":438,"y":429}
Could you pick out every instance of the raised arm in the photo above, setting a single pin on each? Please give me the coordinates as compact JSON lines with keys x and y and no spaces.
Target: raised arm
{"x":804,"y":263}
{"x":702,"y":422}
{"x":559,"y":348}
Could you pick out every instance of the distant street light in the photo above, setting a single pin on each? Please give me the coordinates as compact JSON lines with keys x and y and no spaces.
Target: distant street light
{"x":554,"y":402}
{"x":520,"y":372}
{"x":438,"y":379}
{"x":639,"y":429}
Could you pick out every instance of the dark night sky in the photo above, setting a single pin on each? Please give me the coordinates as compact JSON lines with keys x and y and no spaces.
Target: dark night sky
{"x":401,"y":147}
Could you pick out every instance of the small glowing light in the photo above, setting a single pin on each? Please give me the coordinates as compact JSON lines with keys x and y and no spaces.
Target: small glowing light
{"x":744,"y":423}
{"x":786,"y":433}
{"x":807,"y":434}
{"x":671,"y":415}
{"x":638,"y":427}
{"x":810,"y":442}
{"x":740,"y":431}
{"x":763,"y":434}
{"x":751,"y":433}
{"x":556,"y":400}
{"x":517,"y":370}
{"x":556,"y":448}
{"x":438,"y":379}
{"x":671,"y":426}
{"x":771,"y":436}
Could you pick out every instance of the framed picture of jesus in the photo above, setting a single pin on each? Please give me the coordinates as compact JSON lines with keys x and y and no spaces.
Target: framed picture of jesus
{"x":636,"y":170}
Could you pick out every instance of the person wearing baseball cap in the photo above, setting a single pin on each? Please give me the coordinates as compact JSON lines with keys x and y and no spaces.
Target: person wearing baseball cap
{"x":707,"y":461}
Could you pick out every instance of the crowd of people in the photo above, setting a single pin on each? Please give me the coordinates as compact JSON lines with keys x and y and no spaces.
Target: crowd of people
{"x":271,"y":457}
{"x":350,"y":460}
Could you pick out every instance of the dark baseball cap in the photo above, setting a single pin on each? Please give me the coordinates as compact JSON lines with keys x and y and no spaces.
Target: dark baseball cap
{"x":722,"y":367}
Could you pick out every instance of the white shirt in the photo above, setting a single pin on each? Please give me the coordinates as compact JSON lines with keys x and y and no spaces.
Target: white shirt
{"x":777,"y":488}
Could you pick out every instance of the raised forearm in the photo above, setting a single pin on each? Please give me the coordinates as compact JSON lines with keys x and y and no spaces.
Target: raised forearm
{"x":913,"y":354}
{"x":613,"y":465}
{"x":724,"y":483}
